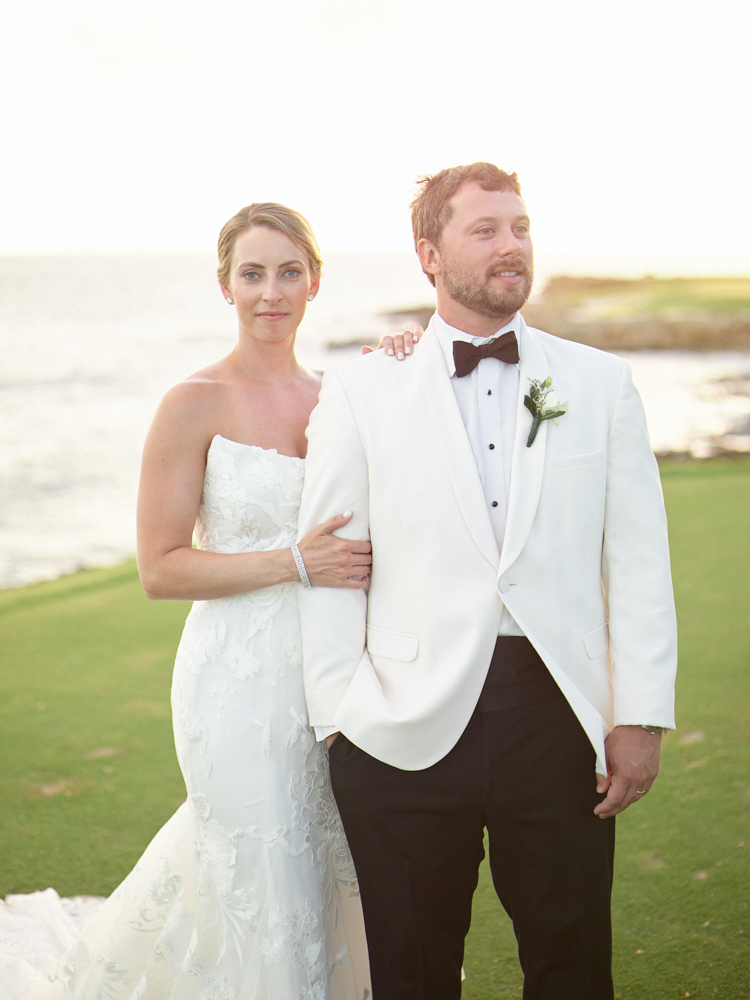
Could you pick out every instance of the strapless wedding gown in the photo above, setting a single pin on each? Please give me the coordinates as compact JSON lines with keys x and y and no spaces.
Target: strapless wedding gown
{"x":249,"y":891}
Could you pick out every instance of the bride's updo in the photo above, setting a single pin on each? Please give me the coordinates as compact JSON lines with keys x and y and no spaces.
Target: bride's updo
{"x":272,"y":216}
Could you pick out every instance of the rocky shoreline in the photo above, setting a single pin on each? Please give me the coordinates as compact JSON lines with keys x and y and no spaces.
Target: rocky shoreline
{"x":716,"y":332}
{"x":665,"y":320}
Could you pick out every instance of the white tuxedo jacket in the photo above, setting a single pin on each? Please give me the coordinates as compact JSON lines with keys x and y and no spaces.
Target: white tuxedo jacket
{"x":584,"y":567}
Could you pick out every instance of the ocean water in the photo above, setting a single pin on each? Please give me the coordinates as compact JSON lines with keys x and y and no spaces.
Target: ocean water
{"x":89,"y":344}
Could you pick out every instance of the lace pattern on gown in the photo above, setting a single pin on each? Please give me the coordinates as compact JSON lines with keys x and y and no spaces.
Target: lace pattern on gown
{"x":249,"y":891}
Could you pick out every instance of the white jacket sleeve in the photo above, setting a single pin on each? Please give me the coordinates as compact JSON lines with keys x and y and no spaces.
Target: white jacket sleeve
{"x":636,"y":571}
{"x":333,"y":620}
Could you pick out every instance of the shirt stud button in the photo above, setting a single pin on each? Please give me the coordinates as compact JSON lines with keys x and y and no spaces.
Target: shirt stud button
{"x":489,"y":392}
{"x":492,"y":447}
{"x":494,"y":503}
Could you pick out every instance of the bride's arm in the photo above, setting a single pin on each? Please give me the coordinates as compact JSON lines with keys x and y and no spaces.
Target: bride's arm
{"x":174,"y":463}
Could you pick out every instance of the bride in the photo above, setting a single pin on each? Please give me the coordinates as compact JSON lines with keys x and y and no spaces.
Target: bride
{"x":248,"y":892}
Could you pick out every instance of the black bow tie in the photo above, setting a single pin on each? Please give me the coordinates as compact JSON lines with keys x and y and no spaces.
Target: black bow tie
{"x":466,"y":357}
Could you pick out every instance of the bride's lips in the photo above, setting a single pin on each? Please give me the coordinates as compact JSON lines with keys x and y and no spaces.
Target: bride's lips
{"x":271,"y":315}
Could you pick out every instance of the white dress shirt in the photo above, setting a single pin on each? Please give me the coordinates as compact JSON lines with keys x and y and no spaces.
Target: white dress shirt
{"x":487,"y":398}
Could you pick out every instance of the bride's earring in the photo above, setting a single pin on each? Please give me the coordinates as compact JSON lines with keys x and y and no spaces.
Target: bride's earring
{"x":310,"y":298}
{"x":230,"y":301}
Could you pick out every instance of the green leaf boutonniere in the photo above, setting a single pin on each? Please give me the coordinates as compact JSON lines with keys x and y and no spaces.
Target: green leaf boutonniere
{"x":543,"y":404}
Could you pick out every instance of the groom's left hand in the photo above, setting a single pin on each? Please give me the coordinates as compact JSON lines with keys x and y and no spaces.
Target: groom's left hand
{"x":633,"y":763}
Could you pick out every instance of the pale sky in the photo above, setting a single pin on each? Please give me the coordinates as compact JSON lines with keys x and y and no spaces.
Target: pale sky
{"x":144,"y":124}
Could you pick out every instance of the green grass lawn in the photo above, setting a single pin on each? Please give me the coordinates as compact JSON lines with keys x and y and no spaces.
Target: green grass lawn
{"x":89,"y":772}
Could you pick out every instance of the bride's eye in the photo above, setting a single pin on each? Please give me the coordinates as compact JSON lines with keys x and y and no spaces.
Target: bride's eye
{"x":292,"y":272}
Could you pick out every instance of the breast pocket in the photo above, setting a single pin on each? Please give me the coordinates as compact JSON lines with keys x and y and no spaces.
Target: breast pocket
{"x":572,"y":461}
{"x":394,"y":645}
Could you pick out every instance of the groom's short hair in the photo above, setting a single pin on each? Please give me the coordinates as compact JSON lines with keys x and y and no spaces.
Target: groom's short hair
{"x":431,"y":209}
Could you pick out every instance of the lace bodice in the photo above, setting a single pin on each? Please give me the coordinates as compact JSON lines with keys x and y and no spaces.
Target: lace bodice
{"x":250,"y":499}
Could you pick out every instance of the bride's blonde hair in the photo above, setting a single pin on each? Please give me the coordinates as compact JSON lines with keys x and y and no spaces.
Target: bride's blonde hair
{"x":272,"y":216}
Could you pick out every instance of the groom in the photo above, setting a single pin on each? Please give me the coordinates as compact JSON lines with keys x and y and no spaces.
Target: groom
{"x":512,"y":666}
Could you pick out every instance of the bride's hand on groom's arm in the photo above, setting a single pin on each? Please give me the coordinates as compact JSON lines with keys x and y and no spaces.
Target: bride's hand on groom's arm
{"x":331,"y":561}
{"x":633,"y":761}
{"x":398,"y":344}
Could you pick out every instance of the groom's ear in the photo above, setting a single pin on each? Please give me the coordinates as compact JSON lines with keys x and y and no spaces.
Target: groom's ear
{"x":429,"y":256}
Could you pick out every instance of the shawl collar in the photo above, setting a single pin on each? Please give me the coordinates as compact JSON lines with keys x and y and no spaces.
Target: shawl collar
{"x":454,"y":443}
{"x":528,"y":463}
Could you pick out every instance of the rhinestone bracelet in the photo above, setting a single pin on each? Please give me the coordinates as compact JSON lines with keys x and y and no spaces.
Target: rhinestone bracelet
{"x":304,"y":578}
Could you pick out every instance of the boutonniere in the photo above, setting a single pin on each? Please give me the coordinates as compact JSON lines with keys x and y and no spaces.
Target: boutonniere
{"x":543,"y":404}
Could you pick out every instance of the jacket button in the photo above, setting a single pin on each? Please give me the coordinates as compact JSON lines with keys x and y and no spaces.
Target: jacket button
{"x":504,"y":587}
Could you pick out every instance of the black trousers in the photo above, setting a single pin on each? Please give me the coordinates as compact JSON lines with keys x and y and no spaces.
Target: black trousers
{"x":523,"y":771}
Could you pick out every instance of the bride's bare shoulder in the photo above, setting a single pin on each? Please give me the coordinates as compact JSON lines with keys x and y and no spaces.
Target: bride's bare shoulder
{"x":191,"y":408}
{"x":192,"y":396}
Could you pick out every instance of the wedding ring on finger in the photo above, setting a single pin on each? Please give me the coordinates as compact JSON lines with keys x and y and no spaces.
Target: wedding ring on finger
{"x":639,"y":792}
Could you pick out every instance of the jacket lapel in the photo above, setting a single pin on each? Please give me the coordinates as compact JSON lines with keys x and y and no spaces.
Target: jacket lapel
{"x":454,"y":444}
{"x":528,"y":463}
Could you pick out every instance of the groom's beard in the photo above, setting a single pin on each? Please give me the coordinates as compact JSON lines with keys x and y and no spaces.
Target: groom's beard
{"x":476,"y":293}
